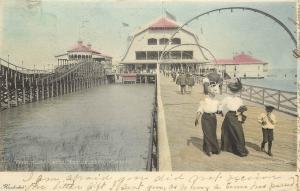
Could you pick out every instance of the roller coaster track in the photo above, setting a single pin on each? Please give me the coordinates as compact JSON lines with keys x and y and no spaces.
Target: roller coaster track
{"x":20,"y":85}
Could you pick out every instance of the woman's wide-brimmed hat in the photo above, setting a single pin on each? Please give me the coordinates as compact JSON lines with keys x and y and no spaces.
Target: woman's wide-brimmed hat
{"x":214,"y":77}
{"x":235,"y":86}
{"x":214,"y":80}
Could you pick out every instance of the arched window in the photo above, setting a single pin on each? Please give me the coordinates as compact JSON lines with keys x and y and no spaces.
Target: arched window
{"x":152,"y":41}
{"x":163,"y":41}
{"x":75,"y":56}
{"x":176,"y":41}
{"x":79,"y":56}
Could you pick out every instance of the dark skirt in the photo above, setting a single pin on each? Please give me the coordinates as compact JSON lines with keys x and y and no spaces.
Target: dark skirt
{"x":232,"y":137}
{"x":209,"y":126}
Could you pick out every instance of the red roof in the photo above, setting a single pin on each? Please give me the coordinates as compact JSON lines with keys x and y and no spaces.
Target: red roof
{"x":246,"y":59}
{"x":79,"y":47}
{"x":163,"y":23}
{"x":240,"y":59}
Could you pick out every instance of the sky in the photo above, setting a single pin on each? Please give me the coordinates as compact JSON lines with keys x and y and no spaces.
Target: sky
{"x":35,"y":34}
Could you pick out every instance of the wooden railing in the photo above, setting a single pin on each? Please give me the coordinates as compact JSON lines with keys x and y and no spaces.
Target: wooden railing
{"x":152,"y":159}
{"x":284,"y":101}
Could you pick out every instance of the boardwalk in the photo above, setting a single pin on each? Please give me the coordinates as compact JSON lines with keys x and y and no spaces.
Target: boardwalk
{"x":185,"y":140}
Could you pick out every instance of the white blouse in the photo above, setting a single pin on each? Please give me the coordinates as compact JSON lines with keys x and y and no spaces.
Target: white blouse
{"x":205,"y":80}
{"x":208,"y":105}
{"x":231,"y":103}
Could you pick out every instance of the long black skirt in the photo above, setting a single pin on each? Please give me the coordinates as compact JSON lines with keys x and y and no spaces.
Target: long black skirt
{"x":209,"y":126}
{"x":232,"y":137}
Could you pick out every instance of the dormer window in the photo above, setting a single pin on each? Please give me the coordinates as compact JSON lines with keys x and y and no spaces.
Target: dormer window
{"x":152,"y":41}
{"x":163,"y":41}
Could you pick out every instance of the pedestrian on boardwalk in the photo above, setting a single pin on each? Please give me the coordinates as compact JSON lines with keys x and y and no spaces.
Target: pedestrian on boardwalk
{"x":267,"y":121}
{"x":181,"y":81}
{"x":208,"y":108}
{"x":173,"y":74}
{"x":232,"y":133}
{"x":190,"y":82}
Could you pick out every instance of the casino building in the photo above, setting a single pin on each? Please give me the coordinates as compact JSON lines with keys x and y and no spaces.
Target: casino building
{"x":148,"y":43}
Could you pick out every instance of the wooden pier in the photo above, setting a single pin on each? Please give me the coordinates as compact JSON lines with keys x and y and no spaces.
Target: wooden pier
{"x":20,"y":85}
{"x":180,"y":142}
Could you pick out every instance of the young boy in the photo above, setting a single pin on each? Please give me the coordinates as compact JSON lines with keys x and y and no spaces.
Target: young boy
{"x":268,"y":121}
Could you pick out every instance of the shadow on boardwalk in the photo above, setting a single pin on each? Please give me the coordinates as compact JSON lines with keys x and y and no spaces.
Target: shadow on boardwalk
{"x":186,"y":141}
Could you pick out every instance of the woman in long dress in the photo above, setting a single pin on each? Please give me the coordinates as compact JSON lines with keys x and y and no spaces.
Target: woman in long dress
{"x":208,"y":108}
{"x":232,"y":133}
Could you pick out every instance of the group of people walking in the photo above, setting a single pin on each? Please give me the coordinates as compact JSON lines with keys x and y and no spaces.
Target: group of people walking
{"x":186,"y":81}
{"x":232,"y":106}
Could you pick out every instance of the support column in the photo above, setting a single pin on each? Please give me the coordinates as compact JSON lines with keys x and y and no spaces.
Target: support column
{"x":37,"y":90}
{"x":48,"y":88}
{"x":43,"y":90}
{"x":16,"y":89}
{"x":23,"y":90}
{"x":7,"y":88}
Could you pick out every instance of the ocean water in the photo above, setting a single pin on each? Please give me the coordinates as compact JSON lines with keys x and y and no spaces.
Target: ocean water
{"x":98,"y":129}
{"x":285,"y":84}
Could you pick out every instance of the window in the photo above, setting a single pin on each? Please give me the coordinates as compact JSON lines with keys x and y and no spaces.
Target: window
{"x":176,"y":41}
{"x":187,"y":55}
{"x":165,"y":56}
{"x":152,"y":55}
{"x":163,"y":41}
{"x":152,"y":41}
{"x":175,"y":55}
{"x":140,"y":55}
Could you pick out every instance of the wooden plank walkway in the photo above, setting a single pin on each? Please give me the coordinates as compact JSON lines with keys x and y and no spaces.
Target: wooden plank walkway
{"x":185,"y":140}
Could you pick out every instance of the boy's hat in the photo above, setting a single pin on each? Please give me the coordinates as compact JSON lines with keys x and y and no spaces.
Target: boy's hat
{"x":269,"y":107}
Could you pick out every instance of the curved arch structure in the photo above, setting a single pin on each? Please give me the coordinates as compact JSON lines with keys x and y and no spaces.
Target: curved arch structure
{"x":247,"y":9}
{"x":240,"y":8}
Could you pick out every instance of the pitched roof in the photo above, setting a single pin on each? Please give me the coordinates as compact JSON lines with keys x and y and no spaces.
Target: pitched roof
{"x":164,"y":23}
{"x":246,"y":59}
{"x":240,"y":59}
{"x":79,"y":47}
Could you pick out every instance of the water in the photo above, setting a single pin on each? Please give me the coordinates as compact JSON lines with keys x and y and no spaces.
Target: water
{"x":274,"y":83}
{"x":103,"y":129}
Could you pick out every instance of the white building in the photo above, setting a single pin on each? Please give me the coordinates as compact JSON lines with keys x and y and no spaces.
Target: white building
{"x":148,"y":44}
{"x":81,"y":52}
{"x":243,"y":66}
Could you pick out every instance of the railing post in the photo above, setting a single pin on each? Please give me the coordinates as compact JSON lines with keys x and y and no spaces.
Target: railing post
{"x":250,"y":97}
{"x":278,"y":104}
{"x":263,"y":96}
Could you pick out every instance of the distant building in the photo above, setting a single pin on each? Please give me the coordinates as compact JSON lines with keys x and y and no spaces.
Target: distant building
{"x":244,"y":66}
{"x":148,"y":43}
{"x":84,"y":53}
{"x":81,"y":52}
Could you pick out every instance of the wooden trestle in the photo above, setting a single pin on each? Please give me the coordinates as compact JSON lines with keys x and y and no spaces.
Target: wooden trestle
{"x":20,"y":85}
